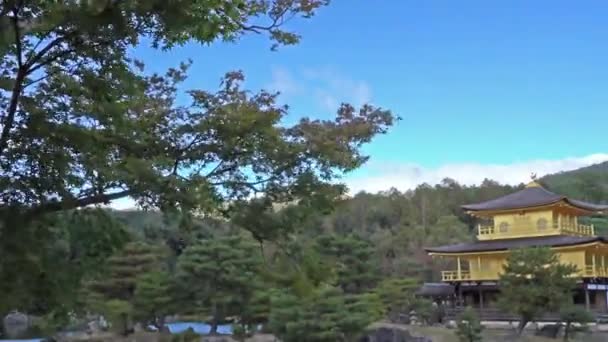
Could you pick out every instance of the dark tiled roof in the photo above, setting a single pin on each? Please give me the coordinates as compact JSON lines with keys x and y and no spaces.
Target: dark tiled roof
{"x":530,"y":197}
{"x":505,"y":244}
{"x":435,"y":290}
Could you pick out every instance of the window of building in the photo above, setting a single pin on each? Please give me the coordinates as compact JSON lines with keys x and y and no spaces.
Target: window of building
{"x":541,"y":224}
{"x":503,"y":227}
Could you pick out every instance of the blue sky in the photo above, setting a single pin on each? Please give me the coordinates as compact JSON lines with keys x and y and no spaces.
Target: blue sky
{"x":483,"y":83}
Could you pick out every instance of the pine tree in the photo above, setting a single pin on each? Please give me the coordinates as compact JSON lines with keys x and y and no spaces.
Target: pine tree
{"x":352,"y":257}
{"x":219,"y":277}
{"x":534,"y":282}
{"x":469,"y":327}
{"x":114,"y":292}
{"x":327,"y":315}
{"x":576,"y":319}
{"x":398,"y":296}
{"x":153,"y":298}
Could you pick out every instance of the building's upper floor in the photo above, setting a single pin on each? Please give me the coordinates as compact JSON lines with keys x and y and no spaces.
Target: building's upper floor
{"x":532,"y":211}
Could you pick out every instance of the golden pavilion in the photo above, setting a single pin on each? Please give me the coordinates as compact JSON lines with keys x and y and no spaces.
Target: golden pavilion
{"x":530,"y":217}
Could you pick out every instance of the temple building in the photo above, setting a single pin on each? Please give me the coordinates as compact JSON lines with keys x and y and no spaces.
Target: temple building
{"x":530,"y":217}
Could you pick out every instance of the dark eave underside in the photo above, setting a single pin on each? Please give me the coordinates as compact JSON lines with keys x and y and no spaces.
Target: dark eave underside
{"x":435,"y":290}
{"x":506,"y":244}
{"x":531,"y":197}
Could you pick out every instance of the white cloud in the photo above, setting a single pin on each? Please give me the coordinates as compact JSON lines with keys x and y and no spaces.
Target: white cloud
{"x":326,"y":86}
{"x":126,"y":203}
{"x":333,"y":88}
{"x":408,"y":176}
{"x":283,"y":81}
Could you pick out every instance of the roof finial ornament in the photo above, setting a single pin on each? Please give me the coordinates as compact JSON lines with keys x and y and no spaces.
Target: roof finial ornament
{"x":533,"y":183}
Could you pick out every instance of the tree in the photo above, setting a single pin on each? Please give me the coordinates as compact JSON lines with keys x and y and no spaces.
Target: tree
{"x":469,"y":328}
{"x":218,"y":277}
{"x":534,"y":282}
{"x":42,"y":271}
{"x":575,"y":319}
{"x":327,"y":315}
{"x":83,"y":123}
{"x":114,"y":293}
{"x":153,"y":299}
{"x":352,"y":257}
{"x":398,"y":297}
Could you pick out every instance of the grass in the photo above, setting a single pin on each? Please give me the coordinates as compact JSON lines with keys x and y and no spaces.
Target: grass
{"x":441,"y":334}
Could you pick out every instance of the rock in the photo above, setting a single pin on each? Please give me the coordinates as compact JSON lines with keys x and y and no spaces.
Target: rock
{"x":451,"y":325}
{"x":138,"y":328}
{"x":549,"y":330}
{"x":384,"y":334}
{"x":15,"y":324}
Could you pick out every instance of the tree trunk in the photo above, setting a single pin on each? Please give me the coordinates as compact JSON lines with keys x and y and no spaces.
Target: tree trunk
{"x":125,"y":324}
{"x":9,"y":116}
{"x":522,"y":325}
{"x":214,"y":313}
{"x":161,"y":323}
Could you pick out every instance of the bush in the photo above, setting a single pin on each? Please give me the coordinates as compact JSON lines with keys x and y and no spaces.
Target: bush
{"x":187,"y":336}
{"x":575,"y":319}
{"x":469,"y":327}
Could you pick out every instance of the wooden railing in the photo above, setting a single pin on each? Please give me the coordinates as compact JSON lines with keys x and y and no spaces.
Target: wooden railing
{"x":595,"y":272}
{"x":579,"y":229}
{"x":489,"y":232}
{"x":589,"y":271}
{"x":496,"y":314}
{"x":455,"y":275}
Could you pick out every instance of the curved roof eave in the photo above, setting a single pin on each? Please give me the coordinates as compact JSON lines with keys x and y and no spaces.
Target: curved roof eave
{"x":513,"y":243}
{"x":531,"y":197}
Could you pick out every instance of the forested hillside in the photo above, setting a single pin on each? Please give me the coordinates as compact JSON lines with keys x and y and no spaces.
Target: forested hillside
{"x":587,"y":183}
{"x":399,"y":224}
{"x":367,"y":248}
{"x":245,"y":221}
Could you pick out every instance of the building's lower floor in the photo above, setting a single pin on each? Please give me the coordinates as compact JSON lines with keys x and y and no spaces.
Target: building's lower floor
{"x":484,"y":297}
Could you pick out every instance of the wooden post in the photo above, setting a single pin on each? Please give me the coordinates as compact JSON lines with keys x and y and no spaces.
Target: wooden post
{"x":593,"y":263}
{"x":460,"y":303}
{"x":604,"y":265}
{"x":458,"y":271}
{"x":480,"y":297}
{"x":587,"y":304}
{"x":479,"y":266}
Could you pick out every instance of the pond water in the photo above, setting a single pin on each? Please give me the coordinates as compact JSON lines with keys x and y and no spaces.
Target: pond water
{"x":198,"y":327}
{"x":175,"y":328}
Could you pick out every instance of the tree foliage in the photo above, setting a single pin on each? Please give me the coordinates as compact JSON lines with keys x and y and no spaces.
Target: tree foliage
{"x":352,"y":257}
{"x":218,"y":278}
{"x":398,"y":296}
{"x":153,"y":298}
{"x":114,"y":292}
{"x":326,"y":315}
{"x":535,"y":282}
{"x":43,"y":268}
{"x":83,"y":123}
{"x":469,"y":327}
{"x":576,"y":319}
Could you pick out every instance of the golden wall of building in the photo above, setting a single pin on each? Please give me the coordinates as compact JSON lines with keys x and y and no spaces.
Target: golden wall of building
{"x":591,"y":261}
{"x":532,"y":223}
